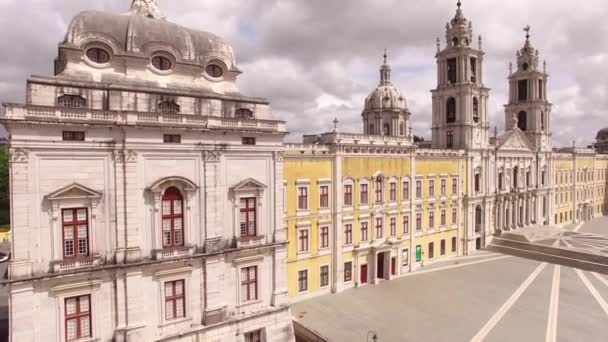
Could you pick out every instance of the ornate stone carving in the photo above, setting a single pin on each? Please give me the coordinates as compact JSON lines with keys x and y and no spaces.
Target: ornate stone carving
{"x":212,"y":156}
{"x":149,"y":8}
{"x":279,"y":156}
{"x":19,"y":155}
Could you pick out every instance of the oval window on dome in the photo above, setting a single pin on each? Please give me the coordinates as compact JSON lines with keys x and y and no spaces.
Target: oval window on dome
{"x":214,"y":70}
{"x":98,"y":55}
{"x":161,"y":63}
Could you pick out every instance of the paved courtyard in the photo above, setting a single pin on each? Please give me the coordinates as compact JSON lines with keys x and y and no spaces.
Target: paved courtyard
{"x":492,"y":297}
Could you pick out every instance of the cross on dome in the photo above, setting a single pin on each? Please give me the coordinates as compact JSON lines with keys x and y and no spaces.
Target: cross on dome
{"x":527,"y":30}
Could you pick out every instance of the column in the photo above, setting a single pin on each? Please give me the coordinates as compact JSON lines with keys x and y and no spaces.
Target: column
{"x":214,"y":228}
{"x":22,"y":308}
{"x":279,"y":295}
{"x":21,"y":263}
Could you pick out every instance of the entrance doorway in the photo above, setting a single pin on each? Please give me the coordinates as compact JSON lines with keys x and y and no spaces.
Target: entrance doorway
{"x":363,"y":274}
{"x":478,"y":244}
{"x":380,"y":266}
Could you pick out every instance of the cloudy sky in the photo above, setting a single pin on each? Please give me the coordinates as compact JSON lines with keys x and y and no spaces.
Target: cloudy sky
{"x":318,"y":59}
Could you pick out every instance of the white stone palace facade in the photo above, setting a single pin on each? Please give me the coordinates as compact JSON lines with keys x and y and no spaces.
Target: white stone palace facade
{"x":143,"y":191}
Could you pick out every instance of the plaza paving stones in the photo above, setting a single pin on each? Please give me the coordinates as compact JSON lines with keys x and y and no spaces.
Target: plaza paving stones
{"x":489,"y":296}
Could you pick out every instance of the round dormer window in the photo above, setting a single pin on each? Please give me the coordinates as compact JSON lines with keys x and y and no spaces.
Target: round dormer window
{"x":161,"y":63}
{"x":98,"y":55}
{"x":525,"y":66}
{"x":214,"y":70}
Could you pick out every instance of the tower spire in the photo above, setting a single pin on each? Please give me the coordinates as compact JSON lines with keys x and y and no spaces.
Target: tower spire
{"x":459,"y":4}
{"x":385,"y":71}
{"x":527,"y":30}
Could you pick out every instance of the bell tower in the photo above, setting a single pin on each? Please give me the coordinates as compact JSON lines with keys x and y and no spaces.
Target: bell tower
{"x":528,"y":108}
{"x":460,"y":119}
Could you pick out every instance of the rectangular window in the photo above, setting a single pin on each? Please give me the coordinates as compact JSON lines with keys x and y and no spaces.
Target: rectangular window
{"x":249,"y":283}
{"x":348,"y":234}
{"x":172,"y":139}
{"x":324,"y":278}
{"x":454,"y":216}
{"x":540,"y":89}
{"x":473,"y":69}
{"x":348,"y":271}
{"x":302,"y":198}
{"x":364,"y":232}
{"x":454,"y":186}
{"x":500,"y":181}
{"x":406,"y":191}
{"x":324,"y":237}
{"x":418,"y":222}
{"x":303,"y":281}
{"x":348,"y":195}
{"x":431,"y":188}
{"x":303,"y":240}
{"x":248,"y":217}
{"x":78,"y":318}
{"x":393,"y":226}
{"x":393,"y":192}
{"x":443,"y":247}
{"x":443,"y":217}
{"x":379,"y":228}
{"x":73,"y":136}
{"x":324,"y":197}
{"x":522,"y":86}
{"x":379,"y":195}
{"x":443,"y":187}
{"x":406,"y":224}
{"x":75,"y":225}
{"x":431,"y":250}
{"x":418,"y":189}
{"x":248,"y":141}
{"x":454,"y":245}
{"x":364,"y":195}
{"x":175,"y":300}
{"x":431,"y":219}
{"x":254,"y":336}
{"x":477,"y":182}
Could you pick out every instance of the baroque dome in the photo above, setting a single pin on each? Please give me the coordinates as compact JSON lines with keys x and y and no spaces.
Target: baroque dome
{"x":144,"y":31}
{"x":386,"y":96}
{"x":602,"y":135}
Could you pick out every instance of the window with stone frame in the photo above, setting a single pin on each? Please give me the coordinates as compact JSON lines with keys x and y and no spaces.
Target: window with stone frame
{"x":431,"y":254}
{"x":454,"y":216}
{"x":419,"y":189}
{"x":324,"y":237}
{"x":454,"y":186}
{"x":364,"y":197}
{"x":392,"y":192}
{"x":379,"y":228}
{"x":449,"y":138}
{"x":475,"y":110}
{"x":172,"y":218}
{"x":431,"y":219}
{"x":393,"y":226}
{"x":431,"y":188}
{"x":248,"y":214}
{"x":406,"y":224}
{"x":378,"y":188}
{"x":303,"y":241}
{"x":302,"y":198}
{"x":175,"y":300}
{"x":253,"y":336}
{"x":78,"y":319}
{"x":324,"y":276}
{"x":249,"y":283}
{"x":451,"y":110}
{"x":303,"y":281}
{"x":419,"y":222}
{"x":454,"y":246}
{"x":73,"y":136}
{"x":364,"y":231}
{"x":71,"y":101}
{"x":243,"y":113}
{"x":444,"y":187}
{"x":75,"y":226}
{"x":348,"y":195}
{"x":168,"y":107}
{"x":443,"y":217}
{"x":405,"y":192}
{"x":348,"y":234}
{"x":348,"y":271}
{"x":324,"y":197}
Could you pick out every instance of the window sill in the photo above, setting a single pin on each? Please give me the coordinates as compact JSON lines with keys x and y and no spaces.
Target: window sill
{"x":173,"y":252}
{"x":250,"y":303}
{"x":364,"y":207}
{"x":72,"y":264}
{"x":302,"y":212}
{"x":175,"y":322}
{"x":245,"y":242}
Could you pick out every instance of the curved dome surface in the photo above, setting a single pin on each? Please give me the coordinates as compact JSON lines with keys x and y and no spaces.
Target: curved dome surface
{"x":602,"y":135}
{"x":137,"y":33}
{"x":385,"y":97}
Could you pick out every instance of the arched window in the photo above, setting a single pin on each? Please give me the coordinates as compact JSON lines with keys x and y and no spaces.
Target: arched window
{"x":168,"y":107}
{"x":478,"y":182}
{"x":402,"y":129}
{"x":161,"y":63}
{"x":451,"y":110}
{"x":72,"y":101}
{"x":522,"y":120}
{"x":475,"y":110}
{"x":387,"y":129}
{"x":98,"y":55}
{"x":243,"y":113}
{"x":478,"y":218}
{"x":173,"y":218}
{"x":371,"y":130}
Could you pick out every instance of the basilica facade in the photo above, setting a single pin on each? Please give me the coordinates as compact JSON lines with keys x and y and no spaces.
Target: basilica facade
{"x":365,"y":208}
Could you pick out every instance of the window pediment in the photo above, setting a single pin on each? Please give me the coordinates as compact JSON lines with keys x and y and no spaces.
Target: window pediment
{"x":167,"y":182}
{"x":74,"y":191}
{"x":248,"y":184}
